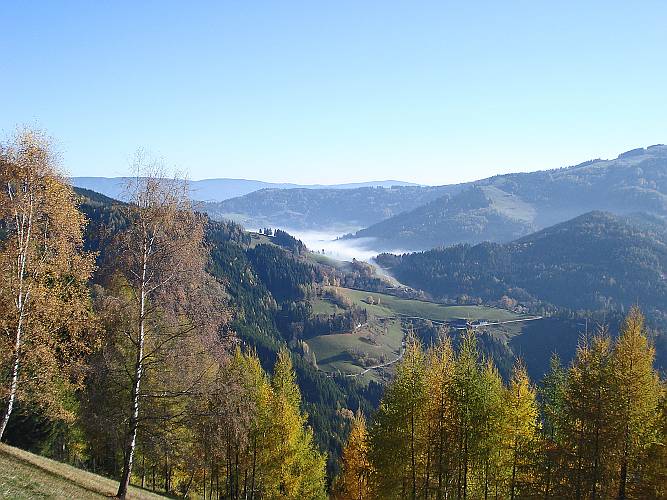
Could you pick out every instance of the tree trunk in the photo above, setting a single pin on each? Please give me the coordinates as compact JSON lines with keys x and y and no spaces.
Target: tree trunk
{"x":138,"y":371}
{"x":412,"y":455}
{"x":14,"y":384}
{"x":254,"y":464}
{"x":21,"y":299}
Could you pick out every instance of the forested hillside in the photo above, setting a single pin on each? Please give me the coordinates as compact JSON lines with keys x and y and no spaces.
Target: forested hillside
{"x":504,"y":207}
{"x":324,"y":209}
{"x":121,"y":355}
{"x":597,"y":262}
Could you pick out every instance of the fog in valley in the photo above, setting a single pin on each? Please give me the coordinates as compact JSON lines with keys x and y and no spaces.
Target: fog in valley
{"x":327,"y":242}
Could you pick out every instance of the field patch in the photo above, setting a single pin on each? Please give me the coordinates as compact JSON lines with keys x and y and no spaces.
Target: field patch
{"x":380,"y":339}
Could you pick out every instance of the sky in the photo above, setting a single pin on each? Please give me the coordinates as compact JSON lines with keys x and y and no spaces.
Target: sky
{"x":433,"y":92}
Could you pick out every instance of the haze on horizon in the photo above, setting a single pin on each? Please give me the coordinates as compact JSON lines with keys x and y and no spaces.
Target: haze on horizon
{"x":428,"y":92}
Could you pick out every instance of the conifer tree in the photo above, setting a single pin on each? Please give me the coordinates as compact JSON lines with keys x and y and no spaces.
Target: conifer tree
{"x":520,"y":432}
{"x":397,"y":435}
{"x":298,"y":468}
{"x":440,"y":412}
{"x":588,"y":432}
{"x":490,"y":473}
{"x":469,"y":391}
{"x":636,"y":414}
{"x":353,"y":482}
{"x":552,"y":394}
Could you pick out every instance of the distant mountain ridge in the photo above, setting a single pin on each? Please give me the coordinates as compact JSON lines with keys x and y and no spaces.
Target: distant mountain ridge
{"x":215,"y":190}
{"x":339,"y":210}
{"x":412,"y":217}
{"x":505,"y":207}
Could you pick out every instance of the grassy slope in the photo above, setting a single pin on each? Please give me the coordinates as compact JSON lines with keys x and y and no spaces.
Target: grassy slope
{"x":330,"y":350}
{"x":24,"y":475}
{"x":393,"y":305}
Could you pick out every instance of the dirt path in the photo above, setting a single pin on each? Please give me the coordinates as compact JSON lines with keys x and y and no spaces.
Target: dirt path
{"x":366,"y":370}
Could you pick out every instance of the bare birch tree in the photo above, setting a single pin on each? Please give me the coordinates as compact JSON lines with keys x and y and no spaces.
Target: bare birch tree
{"x":162,"y":257}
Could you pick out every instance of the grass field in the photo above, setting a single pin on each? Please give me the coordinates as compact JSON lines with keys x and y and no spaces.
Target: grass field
{"x":321,"y":306}
{"x":390,"y":305}
{"x":24,"y":475}
{"x":332,"y":351}
{"x":380,"y":338}
{"x":259,"y":239}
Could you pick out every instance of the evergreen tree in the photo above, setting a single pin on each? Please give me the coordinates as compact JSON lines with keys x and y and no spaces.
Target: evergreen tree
{"x":589,"y":435}
{"x":472,"y":427}
{"x":552,"y":394}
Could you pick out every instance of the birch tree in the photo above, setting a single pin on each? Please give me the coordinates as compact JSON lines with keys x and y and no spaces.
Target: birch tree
{"x":44,"y":305}
{"x":162,"y":258}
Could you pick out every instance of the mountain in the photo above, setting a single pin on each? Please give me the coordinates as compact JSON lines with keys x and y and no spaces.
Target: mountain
{"x":504,"y":207}
{"x":218,"y":189}
{"x":597,"y":261}
{"x":324,"y":209}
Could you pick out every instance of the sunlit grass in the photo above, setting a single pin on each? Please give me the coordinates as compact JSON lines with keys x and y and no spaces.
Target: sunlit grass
{"x":24,"y":475}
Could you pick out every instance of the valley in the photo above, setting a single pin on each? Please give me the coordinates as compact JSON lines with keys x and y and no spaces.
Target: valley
{"x":310,"y":327}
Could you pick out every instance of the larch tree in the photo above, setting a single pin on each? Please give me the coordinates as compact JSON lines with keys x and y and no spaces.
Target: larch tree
{"x":161,"y":257}
{"x":520,"y":432}
{"x":468,"y":392}
{"x":636,"y":415}
{"x":588,"y":434}
{"x":44,"y":301}
{"x":297,"y":468}
{"x":440,"y":412}
{"x":489,"y":474}
{"x":397,"y":434}
{"x":353,"y":482}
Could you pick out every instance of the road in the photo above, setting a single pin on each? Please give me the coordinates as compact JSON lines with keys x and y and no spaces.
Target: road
{"x":490,"y":323}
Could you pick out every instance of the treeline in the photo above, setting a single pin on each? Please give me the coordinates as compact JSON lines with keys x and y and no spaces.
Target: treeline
{"x":125,"y":355}
{"x":448,"y":427}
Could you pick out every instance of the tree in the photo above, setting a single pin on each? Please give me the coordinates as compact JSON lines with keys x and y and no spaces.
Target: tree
{"x":471,"y":388}
{"x":44,"y":303}
{"x":161,"y":257}
{"x":552,"y":397}
{"x":353,"y":482}
{"x":520,"y":432}
{"x":439,"y":379}
{"x":588,"y":433}
{"x":397,"y":436}
{"x":636,"y":415}
{"x":296,"y":467}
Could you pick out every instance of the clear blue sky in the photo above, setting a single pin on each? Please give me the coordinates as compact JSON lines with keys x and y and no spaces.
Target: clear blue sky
{"x":432,"y":92}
